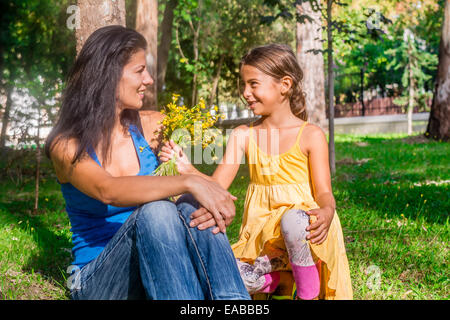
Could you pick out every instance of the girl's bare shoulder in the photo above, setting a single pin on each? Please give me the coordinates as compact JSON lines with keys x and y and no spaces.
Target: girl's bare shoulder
{"x":312,"y":136}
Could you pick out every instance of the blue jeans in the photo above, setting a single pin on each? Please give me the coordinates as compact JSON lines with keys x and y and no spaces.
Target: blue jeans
{"x":156,"y":255}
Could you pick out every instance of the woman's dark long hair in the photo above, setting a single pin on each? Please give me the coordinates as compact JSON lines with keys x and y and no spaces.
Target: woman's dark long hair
{"x":88,"y":106}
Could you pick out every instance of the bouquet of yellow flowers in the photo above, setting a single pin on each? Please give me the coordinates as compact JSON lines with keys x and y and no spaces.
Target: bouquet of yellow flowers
{"x":185,"y":126}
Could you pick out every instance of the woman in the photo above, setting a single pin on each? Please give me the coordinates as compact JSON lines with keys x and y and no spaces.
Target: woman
{"x":128,"y":240}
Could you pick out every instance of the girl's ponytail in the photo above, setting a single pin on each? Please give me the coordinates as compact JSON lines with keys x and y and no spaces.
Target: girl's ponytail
{"x":297,"y":101}
{"x":278,"y":61}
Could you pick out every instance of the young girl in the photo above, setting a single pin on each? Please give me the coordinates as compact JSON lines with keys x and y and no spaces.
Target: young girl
{"x":289,"y":221}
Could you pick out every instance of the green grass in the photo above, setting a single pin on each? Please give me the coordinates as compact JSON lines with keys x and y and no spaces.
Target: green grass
{"x":391,"y":199}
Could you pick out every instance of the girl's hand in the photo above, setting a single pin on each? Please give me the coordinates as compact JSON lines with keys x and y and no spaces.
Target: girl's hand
{"x":169,"y":150}
{"x":321,"y":226}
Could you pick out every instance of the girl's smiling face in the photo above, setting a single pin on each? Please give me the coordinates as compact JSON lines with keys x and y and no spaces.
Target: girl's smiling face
{"x":135,"y":79}
{"x":262,"y":92}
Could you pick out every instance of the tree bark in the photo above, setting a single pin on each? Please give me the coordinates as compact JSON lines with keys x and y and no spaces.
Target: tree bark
{"x":147,"y":25}
{"x":165,"y":41}
{"x":6,"y":115}
{"x":216,"y":79}
{"x":38,"y":163}
{"x":331,"y":151}
{"x":95,"y":14}
{"x":309,"y":37}
{"x":439,"y":123}
{"x":196,"y":32}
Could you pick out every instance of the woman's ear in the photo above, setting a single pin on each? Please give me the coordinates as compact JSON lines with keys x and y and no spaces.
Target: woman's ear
{"x":286,"y":84}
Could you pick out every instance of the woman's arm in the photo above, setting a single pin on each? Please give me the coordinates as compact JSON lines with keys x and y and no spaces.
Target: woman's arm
{"x":316,"y":147}
{"x":91,"y":179}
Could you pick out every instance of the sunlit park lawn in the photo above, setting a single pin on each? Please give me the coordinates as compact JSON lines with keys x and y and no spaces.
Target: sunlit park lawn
{"x":392,"y":194}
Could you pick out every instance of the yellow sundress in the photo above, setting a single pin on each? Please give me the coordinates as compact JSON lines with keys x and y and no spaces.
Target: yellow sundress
{"x":279,"y":183}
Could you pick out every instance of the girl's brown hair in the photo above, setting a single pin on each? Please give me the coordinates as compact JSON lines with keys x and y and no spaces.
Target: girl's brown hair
{"x":278,"y":61}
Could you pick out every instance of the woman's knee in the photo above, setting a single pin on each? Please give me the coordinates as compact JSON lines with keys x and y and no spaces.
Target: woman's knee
{"x":186,"y":205}
{"x":159,"y":216}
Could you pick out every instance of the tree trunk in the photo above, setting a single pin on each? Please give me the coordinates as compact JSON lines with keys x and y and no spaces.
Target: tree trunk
{"x":38,"y":163}
{"x":216,"y":79}
{"x":410,"y":97}
{"x":408,"y":35}
{"x":147,"y":25}
{"x":196,"y":54}
{"x":309,"y":36}
{"x":439,"y":123}
{"x":164,"y":44}
{"x":331,"y":152}
{"x":95,"y":14}
{"x":6,"y":115}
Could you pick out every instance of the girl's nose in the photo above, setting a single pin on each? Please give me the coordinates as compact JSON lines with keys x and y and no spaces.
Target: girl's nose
{"x":247,"y":92}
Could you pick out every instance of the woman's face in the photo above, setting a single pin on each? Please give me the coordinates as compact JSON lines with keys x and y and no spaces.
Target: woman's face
{"x":135,"y":79}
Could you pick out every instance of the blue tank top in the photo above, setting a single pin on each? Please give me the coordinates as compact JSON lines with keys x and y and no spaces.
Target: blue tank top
{"x":93,"y":222}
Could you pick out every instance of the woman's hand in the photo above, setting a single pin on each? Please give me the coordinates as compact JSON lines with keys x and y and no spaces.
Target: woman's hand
{"x":170,"y":149}
{"x":215,"y":199}
{"x":321,"y":226}
{"x":203,"y":219}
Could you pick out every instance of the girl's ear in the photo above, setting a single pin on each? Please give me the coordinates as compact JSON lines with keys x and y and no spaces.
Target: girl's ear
{"x":286,"y":84}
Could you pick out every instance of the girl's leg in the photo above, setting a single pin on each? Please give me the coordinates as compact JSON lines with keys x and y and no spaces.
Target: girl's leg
{"x":213,"y":258}
{"x":259,"y":277}
{"x":304,"y":270}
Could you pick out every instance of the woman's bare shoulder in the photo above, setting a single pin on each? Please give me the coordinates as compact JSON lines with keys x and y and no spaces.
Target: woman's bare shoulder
{"x":150,"y":117}
{"x":62,"y":153}
{"x":150,"y":121}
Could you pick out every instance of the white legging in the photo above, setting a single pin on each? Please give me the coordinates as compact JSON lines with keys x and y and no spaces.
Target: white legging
{"x":293,"y":229}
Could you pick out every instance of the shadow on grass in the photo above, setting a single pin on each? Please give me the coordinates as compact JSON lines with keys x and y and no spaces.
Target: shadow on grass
{"x":395,"y":176}
{"x":47,"y":229}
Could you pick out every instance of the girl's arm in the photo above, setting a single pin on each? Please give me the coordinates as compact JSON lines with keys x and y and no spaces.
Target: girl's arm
{"x":317,"y":149}
{"x":228,"y":167}
{"x":224,"y":174}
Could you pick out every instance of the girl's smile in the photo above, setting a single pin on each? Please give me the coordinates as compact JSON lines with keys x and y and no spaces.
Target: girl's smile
{"x":261,"y":91}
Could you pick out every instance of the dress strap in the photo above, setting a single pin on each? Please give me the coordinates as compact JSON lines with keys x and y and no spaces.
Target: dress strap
{"x":300,"y":132}
{"x":147,"y":159}
{"x":93,"y":155}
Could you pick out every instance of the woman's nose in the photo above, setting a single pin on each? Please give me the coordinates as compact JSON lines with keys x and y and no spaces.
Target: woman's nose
{"x":148,"y":80}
